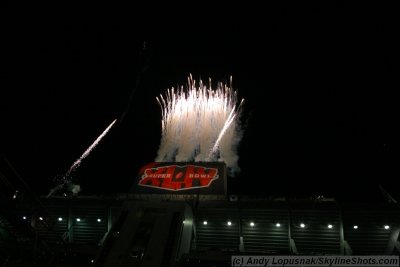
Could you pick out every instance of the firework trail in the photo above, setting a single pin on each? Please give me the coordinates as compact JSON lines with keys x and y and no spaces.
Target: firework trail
{"x":87,"y":151}
{"x":200,"y":124}
{"x":66,"y":180}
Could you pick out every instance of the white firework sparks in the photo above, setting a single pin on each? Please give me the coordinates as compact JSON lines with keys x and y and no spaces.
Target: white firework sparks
{"x":200,"y":124}
{"x":87,"y":151}
{"x":66,"y":179}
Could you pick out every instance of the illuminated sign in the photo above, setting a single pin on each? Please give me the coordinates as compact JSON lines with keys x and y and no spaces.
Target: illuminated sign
{"x":182,"y":178}
{"x":174,"y":177}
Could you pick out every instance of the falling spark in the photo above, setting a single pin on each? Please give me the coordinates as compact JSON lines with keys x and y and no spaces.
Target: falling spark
{"x":200,"y":124}
{"x":66,"y":179}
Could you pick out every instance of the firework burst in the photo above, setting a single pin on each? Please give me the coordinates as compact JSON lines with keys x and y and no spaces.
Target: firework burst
{"x":200,"y":124}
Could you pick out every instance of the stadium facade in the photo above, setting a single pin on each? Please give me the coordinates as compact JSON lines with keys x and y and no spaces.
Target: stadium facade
{"x":179,"y":214}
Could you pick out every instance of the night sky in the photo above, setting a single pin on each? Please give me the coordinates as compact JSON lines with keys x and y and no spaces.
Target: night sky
{"x":320,"y":83}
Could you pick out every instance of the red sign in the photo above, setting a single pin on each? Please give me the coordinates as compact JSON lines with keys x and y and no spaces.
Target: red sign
{"x":178,"y":177}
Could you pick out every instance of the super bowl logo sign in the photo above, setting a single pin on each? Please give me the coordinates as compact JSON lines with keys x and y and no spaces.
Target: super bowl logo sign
{"x":177,"y":178}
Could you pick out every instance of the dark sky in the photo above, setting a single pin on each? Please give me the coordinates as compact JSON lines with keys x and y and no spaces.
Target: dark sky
{"x":320,"y":83}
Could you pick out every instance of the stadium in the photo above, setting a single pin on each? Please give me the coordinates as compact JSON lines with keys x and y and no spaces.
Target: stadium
{"x":199,"y":224}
